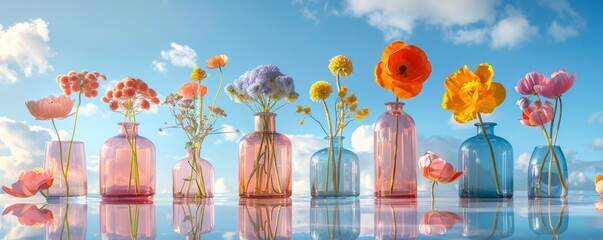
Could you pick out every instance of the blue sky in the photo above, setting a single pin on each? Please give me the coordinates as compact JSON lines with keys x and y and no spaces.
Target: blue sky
{"x":160,"y":41}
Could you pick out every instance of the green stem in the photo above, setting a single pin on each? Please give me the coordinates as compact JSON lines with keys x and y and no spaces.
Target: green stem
{"x":495,"y":226}
{"x":479,"y":116}
{"x":331,"y":150}
{"x":558,"y":121}
{"x":56,"y":130}
{"x":432,"y":194}
{"x":395,"y":157}
{"x":213,"y":105}
{"x":560,"y":174}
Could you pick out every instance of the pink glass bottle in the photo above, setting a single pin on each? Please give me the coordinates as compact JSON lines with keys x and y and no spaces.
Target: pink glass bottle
{"x":395,"y":218}
{"x":395,"y":153}
{"x":268,"y":218}
{"x":265,"y":161}
{"x":127,"y":221}
{"x":193,"y":176}
{"x":193,"y":217}
{"x":70,"y":219}
{"x":127,"y":173}
{"x":74,"y":164}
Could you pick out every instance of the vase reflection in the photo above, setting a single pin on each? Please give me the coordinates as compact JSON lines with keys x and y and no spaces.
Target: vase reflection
{"x":193,"y":217}
{"x":334,"y":218}
{"x":70,"y":221}
{"x":549,"y":216}
{"x":395,"y":218}
{"x":487,"y":218}
{"x":127,"y":220}
{"x":268,"y":218}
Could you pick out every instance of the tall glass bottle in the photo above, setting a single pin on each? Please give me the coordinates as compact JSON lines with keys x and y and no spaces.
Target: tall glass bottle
{"x":395,"y":218}
{"x":496,"y":223}
{"x":265,"y":160}
{"x":334,"y":171}
{"x":74,"y":164}
{"x":127,"y":220}
{"x":395,"y":153}
{"x":127,"y":165}
{"x":549,"y":184}
{"x":335,"y":218}
{"x":193,"y":176}
{"x":482,"y":175}
{"x":266,"y":218}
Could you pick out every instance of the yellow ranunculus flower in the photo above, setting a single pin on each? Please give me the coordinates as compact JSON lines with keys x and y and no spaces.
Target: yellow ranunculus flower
{"x":307,"y":110}
{"x":320,"y":91}
{"x":198,"y":74}
{"x":343,"y":92}
{"x":298,"y":109}
{"x":341,"y":65}
{"x":469,"y":93}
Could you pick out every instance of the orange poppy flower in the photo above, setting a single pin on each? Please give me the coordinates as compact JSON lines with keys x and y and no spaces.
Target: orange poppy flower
{"x":403,"y":69}
{"x":217,"y":61}
{"x":189,"y":90}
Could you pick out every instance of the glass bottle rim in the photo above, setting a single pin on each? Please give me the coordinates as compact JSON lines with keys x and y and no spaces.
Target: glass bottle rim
{"x":486,"y":124}
{"x":264,"y":114}
{"x":394,"y":103}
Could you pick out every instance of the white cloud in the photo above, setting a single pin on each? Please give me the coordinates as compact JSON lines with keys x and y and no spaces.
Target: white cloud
{"x":221,"y":186}
{"x":362,"y":138}
{"x":25,"y":146}
{"x":232,"y":135}
{"x":512,"y":31}
{"x":228,"y":235}
{"x":572,"y":21}
{"x":88,"y":110}
{"x":597,"y":144}
{"x":159,"y":66}
{"x":560,"y":33}
{"x":596,"y":117}
{"x":521,"y":163}
{"x":24,"y":46}
{"x":468,"y":36}
{"x":180,"y":55}
{"x":310,"y":14}
{"x":304,"y":146}
{"x":578,"y":181}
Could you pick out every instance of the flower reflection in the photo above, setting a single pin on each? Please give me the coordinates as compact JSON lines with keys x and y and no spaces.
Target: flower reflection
{"x":549,"y":216}
{"x":395,"y":218}
{"x":335,"y":218}
{"x":265,"y":218}
{"x":487,"y":218}
{"x":30,"y":214}
{"x":193,"y":217}
{"x":435,"y":223}
{"x":127,"y":220}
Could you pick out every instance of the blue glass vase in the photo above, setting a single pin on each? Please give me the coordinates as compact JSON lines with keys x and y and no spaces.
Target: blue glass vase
{"x":482,"y":175}
{"x":547,"y":173}
{"x":497,"y":222}
{"x":334,"y":171}
{"x":549,"y":216}
{"x":335,"y":218}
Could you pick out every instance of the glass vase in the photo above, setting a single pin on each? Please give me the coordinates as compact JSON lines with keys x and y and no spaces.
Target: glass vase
{"x":193,"y":217}
{"x":127,"y":166}
{"x":547,"y":173}
{"x":265,"y":160}
{"x":549,"y":216}
{"x":266,"y":218}
{"x":395,"y":218}
{"x":193,"y":176}
{"x":497,"y":222}
{"x":127,"y":221}
{"x":70,"y":219}
{"x":334,"y":171}
{"x":334,"y":218}
{"x":482,"y":175}
{"x":395,"y":153}
{"x":63,"y":160}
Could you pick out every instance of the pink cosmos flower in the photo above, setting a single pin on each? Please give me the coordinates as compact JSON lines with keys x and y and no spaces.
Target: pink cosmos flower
{"x":50,"y":107}
{"x":435,"y":223}
{"x":30,"y":182}
{"x":538,"y":114}
{"x":437,"y":169}
{"x":189,"y":90}
{"x":559,"y":83}
{"x":217,"y":61}
{"x":30,"y":215}
{"x":527,"y":84}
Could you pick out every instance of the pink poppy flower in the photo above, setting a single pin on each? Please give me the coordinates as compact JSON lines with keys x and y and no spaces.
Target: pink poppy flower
{"x":30,"y":215}
{"x":50,"y":107}
{"x":538,"y":114}
{"x":217,"y":61}
{"x":523,"y":103}
{"x":437,"y":169}
{"x":559,"y":83}
{"x":30,"y":182}
{"x":437,"y":223}
{"x":526,"y":85}
{"x":189,"y":90}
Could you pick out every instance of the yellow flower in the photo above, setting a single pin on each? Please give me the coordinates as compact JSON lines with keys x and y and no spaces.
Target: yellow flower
{"x":469,"y":93}
{"x":301,"y":122}
{"x":341,"y":125}
{"x":354,"y":106}
{"x":307,"y":110}
{"x":360,"y":114}
{"x":350,"y":99}
{"x":341,"y":65}
{"x":198,"y":74}
{"x":320,"y":91}
{"x":298,"y":109}
{"x":338,"y":105}
{"x":343,"y":92}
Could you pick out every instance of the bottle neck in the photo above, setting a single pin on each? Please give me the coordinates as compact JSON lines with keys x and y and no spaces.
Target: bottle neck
{"x":488,"y":128}
{"x":337,"y":141}
{"x":189,"y":152}
{"x":264,"y":122}
{"x":128,"y":129}
{"x":395,"y":107}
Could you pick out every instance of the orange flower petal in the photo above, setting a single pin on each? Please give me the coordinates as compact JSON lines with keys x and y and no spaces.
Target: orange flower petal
{"x":485,"y":73}
{"x":392,"y":47}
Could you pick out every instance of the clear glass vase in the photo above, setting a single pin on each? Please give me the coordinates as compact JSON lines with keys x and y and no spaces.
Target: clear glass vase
{"x":334,"y":171}
{"x":127,"y":221}
{"x":547,"y":173}
{"x":395,"y":153}
{"x":127,"y":166}
{"x":395,"y":218}
{"x":334,"y":218}
{"x":496,"y":223}
{"x":70,"y":219}
{"x":70,"y":161}
{"x":549,"y":216}
{"x":266,"y":218}
{"x":193,"y":217}
{"x":265,"y":160}
{"x":193,"y":176}
{"x":482,"y":175}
